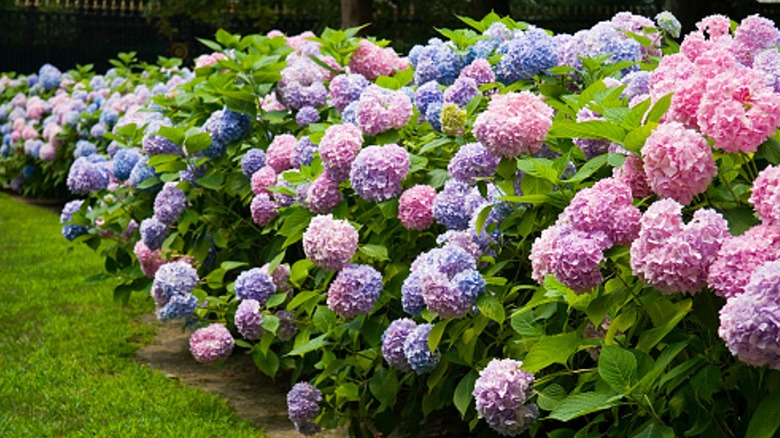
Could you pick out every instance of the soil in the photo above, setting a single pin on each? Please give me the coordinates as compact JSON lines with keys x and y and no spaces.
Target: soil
{"x":251,"y":394}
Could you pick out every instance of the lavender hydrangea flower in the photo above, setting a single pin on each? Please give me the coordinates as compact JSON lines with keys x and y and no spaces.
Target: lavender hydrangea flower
{"x":377,"y":172}
{"x":393,"y":343}
{"x":338,"y":149}
{"x":306,"y":116}
{"x":159,"y":145}
{"x":141,"y":172}
{"x":749,"y":322}
{"x":252,"y":161}
{"x":323,"y":194}
{"x":179,"y":306}
{"x":255,"y":284}
{"x":84,"y":148}
{"x":411,"y":293}
{"x":263,"y":209}
{"x":171,"y":279}
{"x":426,"y":94}
{"x":211,"y":344}
{"x":153,"y":232}
{"x":304,"y":152}
{"x":249,"y":319}
{"x":500,"y":394}
{"x":420,"y":357}
{"x":480,"y":70}
{"x":442,"y":297}
{"x":287,"y":325}
{"x":330,"y":243}
{"x":225,"y":127}
{"x":303,"y":402}
{"x":86,"y":176}
{"x":380,"y":109}
{"x":472,"y":161}
{"x":346,"y":88}
{"x":455,"y":204}
{"x":124,"y":161}
{"x":169,"y":204}
{"x":572,"y":256}
{"x":72,"y":231}
{"x":355,"y":290}
{"x":462,"y":91}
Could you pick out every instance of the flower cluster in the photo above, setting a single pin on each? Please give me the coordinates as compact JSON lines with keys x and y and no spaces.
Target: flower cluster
{"x":72,"y":231}
{"x":379,"y":110}
{"x":330,"y":243}
{"x":338,"y":149}
{"x":393,"y":343}
{"x":303,"y":405}
{"x":373,"y":61}
{"x":169,"y":204}
{"x":255,"y":284}
{"x":211,"y":344}
{"x":455,"y":204}
{"x":739,"y":256}
{"x":280,"y":152}
{"x":529,"y":53}
{"x":415,"y":207}
{"x":419,"y":356}
{"x":172,"y":290}
{"x":765,"y":195}
{"x":249,"y":319}
{"x":225,"y":127}
{"x":88,"y":174}
{"x":514,"y":123}
{"x":355,"y":290}
{"x":378,"y":171}
{"x":500,"y":394}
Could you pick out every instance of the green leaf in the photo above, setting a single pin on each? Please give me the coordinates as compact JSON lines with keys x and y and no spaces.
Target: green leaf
{"x":652,"y":429}
{"x":659,"y":108}
{"x":581,"y":404}
{"x":313,"y":344}
{"x":707,"y":382}
{"x":489,"y":306}
{"x":524,"y":325}
{"x":176,"y":135}
{"x":635,"y":139}
{"x":464,"y":392}
{"x":212,"y":181}
{"x":550,"y":350}
{"x":617,"y":367}
{"x":301,"y":298}
{"x":436,"y":334}
{"x":197,"y":142}
{"x":589,"y":168}
{"x":551,"y":396}
{"x":267,"y":362}
{"x":765,"y":421}
{"x":348,"y":391}
{"x":300,"y":271}
{"x":673,"y":314}
{"x":275,"y":300}
{"x":374,"y":252}
{"x":229,"y":266}
{"x":270,"y":323}
{"x":539,"y":167}
{"x":384,"y":386}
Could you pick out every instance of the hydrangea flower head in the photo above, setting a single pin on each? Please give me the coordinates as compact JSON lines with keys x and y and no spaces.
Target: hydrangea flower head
{"x":280,"y":152}
{"x":373,"y":61}
{"x":528,"y":54}
{"x":480,"y":70}
{"x":169,"y":204}
{"x":124,"y":161}
{"x":303,"y":402}
{"x":500,"y":394}
{"x":252,"y":161}
{"x":225,"y":127}
{"x":159,"y":145}
{"x":255,"y":284}
{"x":513,"y":124}
{"x":455,"y":204}
{"x":330,"y":243}
{"x":739,"y":256}
{"x":472,"y":161}
{"x":678,"y":162}
{"x":86,"y":176}
{"x":153,"y":232}
{"x":749,"y":322}
{"x":72,"y":231}
{"x":378,"y":171}
{"x":179,"y":306}
{"x":338,"y":149}
{"x":323,"y":194}
{"x":306,"y":116}
{"x":420,"y":357}
{"x":355,"y":290}
{"x":211,"y":344}
{"x":415,"y":207}
{"x":668,"y":23}
{"x":765,"y":195}
{"x":262,"y":179}
{"x":393,"y":343}
{"x":452,"y":120}
{"x":346,"y":88}
{"x":411,"y":293}
{"x":380,"y":109}
{"x":149,"y":260}
{"x":249,"y":319}
{"x":173,"y":278}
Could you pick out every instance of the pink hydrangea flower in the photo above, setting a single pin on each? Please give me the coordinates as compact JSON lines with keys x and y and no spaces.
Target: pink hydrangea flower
{"x":415,"y":207}
{"x":715,"y":25}
{"x":263,"y":209}
{"x":678,"y":162}
{"x":373,"y":61}
{"x":514,"y":123}
{"x":632,"y":174}
{"x":149,"y":260}
{"x":765,"y":195}
{"x":338,"y":149}
{"x":211,"y":344}
{"x":672,"y":256}
{"x":604,"y":208}
{"x":380,"y":109}
{"x":479,"y":70}
{"x":208,"y":59}
{"x":738,"y":110}
{"x":262,"y":179}
{"x":754,"y":34}
{"x":323,"y":194}
{"x":280,"y":152}
{"x":330,"y":243}
{"x":739,"y":256}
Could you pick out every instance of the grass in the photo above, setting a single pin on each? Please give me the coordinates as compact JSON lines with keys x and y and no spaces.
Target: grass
{"x":66,"y":347}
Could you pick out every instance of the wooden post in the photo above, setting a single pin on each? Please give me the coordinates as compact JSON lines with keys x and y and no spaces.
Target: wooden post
{"x":356,"y":13}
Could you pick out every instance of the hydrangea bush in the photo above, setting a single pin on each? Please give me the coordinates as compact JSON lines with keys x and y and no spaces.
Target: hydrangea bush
{"x":535,"y":233}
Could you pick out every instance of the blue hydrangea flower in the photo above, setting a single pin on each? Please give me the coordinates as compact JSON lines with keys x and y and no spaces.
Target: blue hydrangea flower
{"x":421,"y":359}
{"x":435,"y":61}
{"x":32,"y":147}
{"x":455,"y":204}
{"x":427,"y":94}
{"x":225,"y":127}
{"x":461,"y":91}
{"x":252,"y":161}
{"x":109,"y":117}
{"x":28,"y":171}
{"x":303,"y":402}
{"x":141,"y":172}
{"x":153,"y":232}
{"x":304,"y":152}
{"x":433,"y":115}
{"x":159,"y":145}
{"x":306,"y":116}
{"x":49,"y":77}
{"x":255,"y":284}
{"x":86,"y":176}
{"x":529,"y":54}
{"x":393,"y":343}
{"x":72,"y":231}
{"x":470,"y":282}
{"x":411,"y":294}
{"x":179,"y":306}
{"x":350,"y":113}
{"x":169,"y":204}
{"x":84,"y":148}
{"x":172,"y":279}
{"x":124,"y":162}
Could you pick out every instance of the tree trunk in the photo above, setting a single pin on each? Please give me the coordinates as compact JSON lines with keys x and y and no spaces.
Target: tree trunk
{"x":483,"y":7}
{"x":356,"y":13}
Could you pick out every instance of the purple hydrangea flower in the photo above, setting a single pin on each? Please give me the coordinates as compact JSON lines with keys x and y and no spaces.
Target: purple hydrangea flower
{"x":346,"y":88}
{"x":211,"y":344}
{"x":323,"y":194}
{"x":171,"y":279}
{"x":355,"y":290}
{"x":420,"y":357}
{"x":141,"y":172}
{"x":153,"y":232}
{"x":72,"y":231}
{"x":124,"y":161}
{"x":472,"y":161}
{"x":338,"y":149}
{"x":306,"y":116}
{"x":411,"y":293}
{"x":455,"y":204}
{"x":572,"y":256}
{"x":249,"y":319}
{"x":462,"y":91}
{"x":330,"y":243}
{"x":179,"y":306}
{"x":159,"y":145}
{"x":287,"y":325}
{"x":749,"y":323}
{"x":442,"y":297}
{"x":84,"y":148}
{"x":169,"y":204}
{"x":500,"y":394}
{"x":255,"y":284}
{"x":380,"y":109}
{"x":252,"y":161}
{"x":393,"y":343}
{"x":304,"y":152}
{"x":303,"y":402}
{"x":377,"y":172}
{"x":530,"y":53}
{"x":263,"y":209}
{"x":480,"y":70}
{"x":426,"y":94}
{"x":86,"y":176}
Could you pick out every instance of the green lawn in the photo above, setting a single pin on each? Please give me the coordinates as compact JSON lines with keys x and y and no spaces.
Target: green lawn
{"x":65,"y":347}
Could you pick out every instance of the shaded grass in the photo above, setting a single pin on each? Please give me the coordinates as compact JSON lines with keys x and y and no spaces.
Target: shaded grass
{"x":65,"y":347}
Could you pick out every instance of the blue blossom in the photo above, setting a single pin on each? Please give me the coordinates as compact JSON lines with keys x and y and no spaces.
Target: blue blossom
{"x":172,"y":279}
{"x":159,"y":145}
{"x":153,"y":232}
{"x":421,"y":359}
{"x":530,"y":53}
{"x":304,"y":152}
{"x":124,"y":162}
{"x":141,"y":172}
{"x":470,"y":282}
{"x":179,"y":306}
{"x":427,"y":94}
{"x":433,"y":115}
{"x":32,"y":147}
{"x":109,"y":117}
{"x":84,"y":148}
{"x":255,"y":284}
{"x":252,"y":161}
{"x":72,"y":231}
{"x":411,"y":294}
{"x":306,"y":116}
{"x":169,"y":204}
{"x":225,"y":127}
{"x":49,"y":77}
{"x":85,"y":176}
{"x":455,"y":204}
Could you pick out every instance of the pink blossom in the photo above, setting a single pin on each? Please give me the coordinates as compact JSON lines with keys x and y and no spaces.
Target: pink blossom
{"x":739,"y":256}
{"x":765,"y":195}
{"x":373,"y":61}
{"x":415,"y":207}
{"x":514,"y":123}
{"x":380,"y":109}
{"x":338,"y":149}
{"x":280,"y":152}
{"x":262,"y":179}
